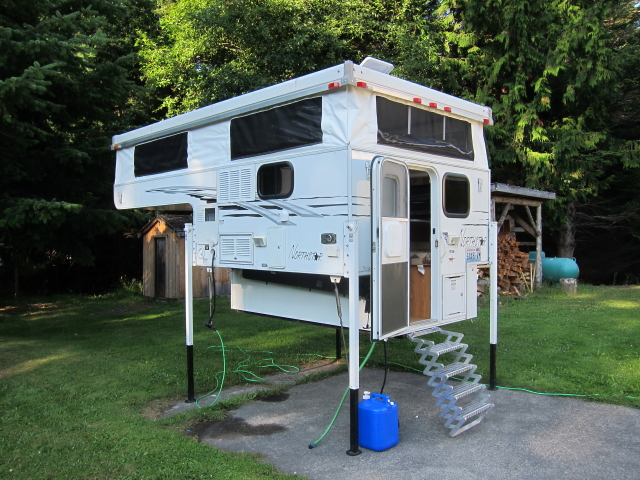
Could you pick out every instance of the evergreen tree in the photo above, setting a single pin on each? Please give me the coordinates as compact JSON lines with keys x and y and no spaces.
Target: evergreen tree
{"x":65,"y":88}
{"x":551,"y":72}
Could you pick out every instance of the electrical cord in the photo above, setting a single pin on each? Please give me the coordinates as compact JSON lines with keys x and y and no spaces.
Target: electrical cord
{"x":386,"y":367}
{"x":212,"y":289}
{"x":339,"y":307}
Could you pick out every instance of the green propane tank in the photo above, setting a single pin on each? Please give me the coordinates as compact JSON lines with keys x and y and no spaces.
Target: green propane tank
{"x":555,"y":268}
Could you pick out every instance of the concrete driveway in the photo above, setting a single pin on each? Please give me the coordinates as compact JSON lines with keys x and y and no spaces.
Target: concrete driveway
{"x":525,"y":436}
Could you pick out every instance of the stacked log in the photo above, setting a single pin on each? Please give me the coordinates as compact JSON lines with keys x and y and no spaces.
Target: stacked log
{"x":514,"y":273}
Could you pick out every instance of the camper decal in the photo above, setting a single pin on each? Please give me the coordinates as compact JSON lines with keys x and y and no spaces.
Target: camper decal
{"x":203,"y":193}
{"x":472,"y":241}
{"x":296,"y":254}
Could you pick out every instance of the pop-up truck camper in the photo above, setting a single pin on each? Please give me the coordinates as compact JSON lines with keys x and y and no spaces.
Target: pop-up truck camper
{"x":349,"y":179}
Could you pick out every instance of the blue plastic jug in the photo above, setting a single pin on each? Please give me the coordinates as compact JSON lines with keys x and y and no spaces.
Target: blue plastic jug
{"x":378,"y":423}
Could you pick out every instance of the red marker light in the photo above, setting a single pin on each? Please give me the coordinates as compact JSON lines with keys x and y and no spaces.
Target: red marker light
{"x":417,"y":100}
{"x":361,"y":85}
{"x":433,"y":105}
{"x":334,"y":85}
{"x":447,"y":109}
{"x":485,"y":120}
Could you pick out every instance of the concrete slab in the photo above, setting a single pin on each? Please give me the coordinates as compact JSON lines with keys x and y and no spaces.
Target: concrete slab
{"x":526,"y":436}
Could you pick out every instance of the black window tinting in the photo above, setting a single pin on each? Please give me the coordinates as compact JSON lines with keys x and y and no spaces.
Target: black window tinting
{"x":275,"y":180}
{"x":281,"y":128}
{"x":413,"y":128}
{"x":162,"y":155}
{"x":456,"y":195}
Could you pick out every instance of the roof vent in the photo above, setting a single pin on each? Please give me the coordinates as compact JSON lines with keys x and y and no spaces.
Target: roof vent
{"x":378,"y":65}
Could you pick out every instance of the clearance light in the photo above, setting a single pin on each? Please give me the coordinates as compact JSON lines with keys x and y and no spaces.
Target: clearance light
{"x":447,"y":109}
{"x":116,"y":147}
{"x":334,"y":85}
{"x":417,"y":100}
{"x":433,"y":104}
{"x":361,"y":84}
{"x":485,"y":120}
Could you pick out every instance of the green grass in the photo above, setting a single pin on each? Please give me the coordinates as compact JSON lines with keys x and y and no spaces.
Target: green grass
{"x":81,"y":378}
{"x":587,"y":344}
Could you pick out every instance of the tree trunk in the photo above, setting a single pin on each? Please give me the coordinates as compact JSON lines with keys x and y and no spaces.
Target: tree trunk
{"x":16,"y":288}
{"x":567,"y":234}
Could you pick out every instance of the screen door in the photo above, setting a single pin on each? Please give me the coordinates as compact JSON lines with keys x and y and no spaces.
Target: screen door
{"x":389,"y":247}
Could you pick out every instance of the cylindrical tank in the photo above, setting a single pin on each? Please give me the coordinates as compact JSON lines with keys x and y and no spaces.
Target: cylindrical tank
{"x":555,"y":268}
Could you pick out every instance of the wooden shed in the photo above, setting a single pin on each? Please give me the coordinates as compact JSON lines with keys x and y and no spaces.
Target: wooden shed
{"x":163,"y":261}
{"x":519,"y":229}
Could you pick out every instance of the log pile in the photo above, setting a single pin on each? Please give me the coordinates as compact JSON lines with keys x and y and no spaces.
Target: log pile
{"x":514,"y":273}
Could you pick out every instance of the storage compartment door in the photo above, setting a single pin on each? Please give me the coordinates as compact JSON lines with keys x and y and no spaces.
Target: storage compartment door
{"x":390,"y":247}
{"x":453,"y":296}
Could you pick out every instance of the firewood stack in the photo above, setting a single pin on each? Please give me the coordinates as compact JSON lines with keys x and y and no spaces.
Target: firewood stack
{"x":514,"y":274}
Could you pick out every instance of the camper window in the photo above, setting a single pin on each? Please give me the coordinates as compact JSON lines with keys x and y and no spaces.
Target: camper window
{"x":455,"y":195}
{"x":275,"y":180}
{"x":162,"y":155}
{"x":412,"y":128}
{"x":290,"y":126}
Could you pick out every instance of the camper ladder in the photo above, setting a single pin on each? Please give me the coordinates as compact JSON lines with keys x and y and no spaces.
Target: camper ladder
{"x":464,"y":402}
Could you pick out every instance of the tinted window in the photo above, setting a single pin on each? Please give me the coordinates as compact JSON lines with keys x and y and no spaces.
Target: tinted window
{"x":163,"y":155}
{"x":275,"y":180}
{"x":456,"y":195}
{"x":413,"y":128}
{"x":281,"y":128}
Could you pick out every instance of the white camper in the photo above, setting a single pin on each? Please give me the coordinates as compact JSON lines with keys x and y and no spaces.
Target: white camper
{"x":274,"y":176}
{"x":346,"y":176}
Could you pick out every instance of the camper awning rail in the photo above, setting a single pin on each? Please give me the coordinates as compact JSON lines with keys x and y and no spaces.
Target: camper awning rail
{"x":333,"y":78}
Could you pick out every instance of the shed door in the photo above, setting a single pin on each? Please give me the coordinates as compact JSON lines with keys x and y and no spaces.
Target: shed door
{"x":161,"y":267}
{"x":390,"y":247}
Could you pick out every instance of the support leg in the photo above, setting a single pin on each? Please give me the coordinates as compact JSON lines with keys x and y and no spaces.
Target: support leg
{"x":338,"y":344}
{"x":188,"y":304}
{"x":493,"y":302}
{"x":354,"y":333}
{"x":354,"y":448}
{"x":190,"y":383}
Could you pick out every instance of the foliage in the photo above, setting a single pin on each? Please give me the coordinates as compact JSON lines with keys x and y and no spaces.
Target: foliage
{"x":65,"y":88}
{"x":210,"y":50}
{"x":551,"y":71}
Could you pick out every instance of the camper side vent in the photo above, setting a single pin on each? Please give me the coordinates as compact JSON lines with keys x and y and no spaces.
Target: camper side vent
{"x":236,"y":185}
{"x":236,"y":249}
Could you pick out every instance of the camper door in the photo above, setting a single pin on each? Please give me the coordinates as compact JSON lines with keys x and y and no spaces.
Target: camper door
{"x":390,"y":247}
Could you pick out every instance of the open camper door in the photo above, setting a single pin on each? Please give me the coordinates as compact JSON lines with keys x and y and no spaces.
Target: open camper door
{"x":390,"y":247}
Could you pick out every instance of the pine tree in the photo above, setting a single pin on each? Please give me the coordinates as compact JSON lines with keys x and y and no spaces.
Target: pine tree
{"x":64,"y":90}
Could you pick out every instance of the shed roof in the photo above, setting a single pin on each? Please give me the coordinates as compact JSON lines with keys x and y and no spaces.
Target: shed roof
{"x":173,"y":222}
{"x":513,"y":191}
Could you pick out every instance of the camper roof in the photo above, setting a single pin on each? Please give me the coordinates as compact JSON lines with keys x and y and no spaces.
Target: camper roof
{"x":339,"y":76}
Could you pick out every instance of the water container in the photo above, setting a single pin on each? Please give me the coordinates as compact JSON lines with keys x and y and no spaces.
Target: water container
{"x":377,"y":423}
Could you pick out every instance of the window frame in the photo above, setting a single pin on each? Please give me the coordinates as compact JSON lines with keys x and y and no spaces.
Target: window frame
{"x":274,"y":196}
{"x":444,"y":195}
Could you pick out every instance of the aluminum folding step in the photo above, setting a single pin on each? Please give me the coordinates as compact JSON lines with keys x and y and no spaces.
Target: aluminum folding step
{"x":463,"y":404}
{"x":454,"y":369}
{"x":460,"y":391}
{"x":446,"y":347}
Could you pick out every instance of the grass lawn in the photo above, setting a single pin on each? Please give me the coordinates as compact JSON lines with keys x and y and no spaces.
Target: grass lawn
{"x":80,"y":377}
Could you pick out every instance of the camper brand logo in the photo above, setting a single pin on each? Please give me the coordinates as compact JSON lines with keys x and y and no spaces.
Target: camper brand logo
{"x":295,"y":254}
{"x":474,"y":241}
